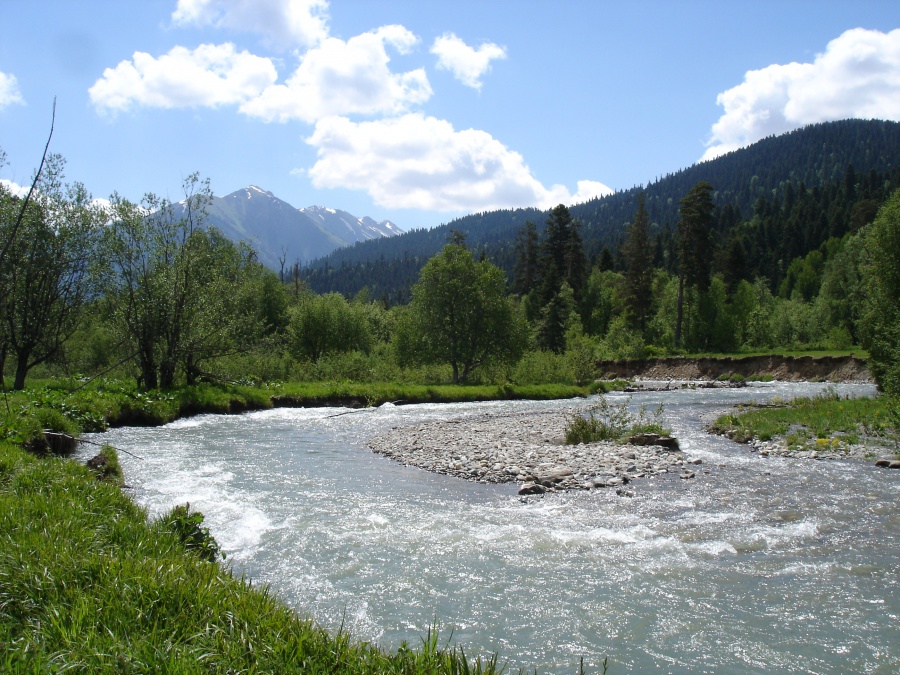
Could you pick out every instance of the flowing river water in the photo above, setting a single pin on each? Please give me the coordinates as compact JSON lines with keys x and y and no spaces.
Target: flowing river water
{"x":757,"y":565}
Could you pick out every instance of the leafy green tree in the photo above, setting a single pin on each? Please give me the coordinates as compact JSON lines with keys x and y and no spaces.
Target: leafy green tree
{"x":175,"y":288}
{"x":881,"y":280}
{"x":638,"y":251}
{"x":602,"y":301}
{"x":227,"y":310}
{"x":459,"y":315}
{"x":841,"y":296}
{"x":45,"y":272}
{"x":328,"y":324}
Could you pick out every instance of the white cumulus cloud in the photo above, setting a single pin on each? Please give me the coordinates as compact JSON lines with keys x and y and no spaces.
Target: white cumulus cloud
{"x":210,"y":75}
{"x":466,"y":63}
{"x":343,"y":78}
{"x":420,"y":162}
{"x":9,"y":90}
{"x":14,"y":188}
{"x":284,"y":24}
{"x":857,"y":76}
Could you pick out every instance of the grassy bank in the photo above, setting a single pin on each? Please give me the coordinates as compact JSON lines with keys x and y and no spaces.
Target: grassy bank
{"x":821,"y":418}
{"x":88,"y":583}
{"x":61,"y":405}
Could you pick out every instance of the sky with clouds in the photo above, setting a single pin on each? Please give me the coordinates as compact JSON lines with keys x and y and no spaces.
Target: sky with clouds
{"x":420,"y":112}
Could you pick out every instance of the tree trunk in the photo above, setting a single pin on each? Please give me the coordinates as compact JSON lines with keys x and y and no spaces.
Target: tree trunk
{"x":21,"y":372}
{"x":191,"y":371}
{"x":167,"y":375}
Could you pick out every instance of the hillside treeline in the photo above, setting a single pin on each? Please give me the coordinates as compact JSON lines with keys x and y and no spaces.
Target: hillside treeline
{"x":812,"y":162}
{"x":148,"y":292}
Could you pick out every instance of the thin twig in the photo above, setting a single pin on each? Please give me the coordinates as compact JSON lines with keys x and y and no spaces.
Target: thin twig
{"x":84,"y":440}
{"x":34,"y":183}
{"x":347,"y":412}
{"x":84,"y":384}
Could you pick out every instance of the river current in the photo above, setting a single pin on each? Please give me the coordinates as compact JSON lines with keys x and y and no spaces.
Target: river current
{"x":757,"y":565}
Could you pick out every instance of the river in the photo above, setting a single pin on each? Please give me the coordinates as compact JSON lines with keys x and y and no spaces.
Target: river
{"x":757,"y":565}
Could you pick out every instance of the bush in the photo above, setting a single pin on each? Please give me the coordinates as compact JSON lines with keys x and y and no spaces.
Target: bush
{"x":610,"y":422}
{"x":543,"y":367}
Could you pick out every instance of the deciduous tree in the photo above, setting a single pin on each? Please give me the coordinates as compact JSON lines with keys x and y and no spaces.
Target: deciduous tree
{"x":459,"y":315}
{"x":45,"y":270}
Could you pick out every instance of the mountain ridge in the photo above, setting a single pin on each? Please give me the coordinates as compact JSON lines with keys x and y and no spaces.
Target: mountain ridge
{"x":282,"y":234}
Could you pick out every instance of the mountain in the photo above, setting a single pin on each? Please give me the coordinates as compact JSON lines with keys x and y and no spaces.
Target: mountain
{"x":278,"y":230}
{"x":775,"y":169}
{"x":349,"y":228}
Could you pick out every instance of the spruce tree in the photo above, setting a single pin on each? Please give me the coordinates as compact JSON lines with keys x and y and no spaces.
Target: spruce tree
{"x":526,"y":267}
{"x":638,"y":250}
{"x":694,"y":255}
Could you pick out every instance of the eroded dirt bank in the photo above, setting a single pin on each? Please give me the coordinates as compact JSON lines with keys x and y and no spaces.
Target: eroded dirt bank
{"x":783,"y":368}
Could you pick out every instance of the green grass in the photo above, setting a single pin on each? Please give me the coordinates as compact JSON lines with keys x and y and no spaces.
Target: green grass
{"x":821,"y":417}
{"x":88,"y":584}
{"x":60,"y":405}
{"x":376,"y":393}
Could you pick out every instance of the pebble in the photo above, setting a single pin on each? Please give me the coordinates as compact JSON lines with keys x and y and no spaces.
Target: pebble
{"x":527,"y":448}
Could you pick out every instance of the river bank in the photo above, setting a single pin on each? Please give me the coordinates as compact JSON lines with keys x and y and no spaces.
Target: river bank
{"x":769,"y":366}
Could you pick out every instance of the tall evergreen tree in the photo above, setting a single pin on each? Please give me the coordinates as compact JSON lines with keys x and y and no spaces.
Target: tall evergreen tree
{"x":638,"y":250}
{"x":694,"y":254}
{"x":562,"y":255}
{"x":526,"y":268}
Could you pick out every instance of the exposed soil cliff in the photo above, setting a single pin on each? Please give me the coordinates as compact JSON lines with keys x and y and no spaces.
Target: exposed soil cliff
{"x":784,"y":368}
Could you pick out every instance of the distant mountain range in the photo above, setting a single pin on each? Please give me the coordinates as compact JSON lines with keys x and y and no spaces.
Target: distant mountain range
{"x":277,"y":230}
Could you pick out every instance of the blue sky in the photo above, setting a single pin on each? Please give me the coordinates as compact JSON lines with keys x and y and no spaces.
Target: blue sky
{"x":421,"y":111}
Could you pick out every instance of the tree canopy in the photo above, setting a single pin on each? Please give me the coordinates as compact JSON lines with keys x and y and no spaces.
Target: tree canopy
{"x":460,"y":315}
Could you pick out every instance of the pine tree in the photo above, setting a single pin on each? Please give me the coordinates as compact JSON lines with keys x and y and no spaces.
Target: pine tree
{"x":526,"y":268}
{"x":638,"y":251}
{"x":694,"y":255}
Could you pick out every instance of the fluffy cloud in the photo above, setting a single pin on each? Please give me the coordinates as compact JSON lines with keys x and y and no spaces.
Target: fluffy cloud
{"x":421,"y":162}
{"x":210,"y":75}
{"x":9,"y":91}
{"x":282,"y":23}
{"x":858,"y":75}
{"x":466,"y":64}
{"x":14,"y":188}
{"x":343,"y":78}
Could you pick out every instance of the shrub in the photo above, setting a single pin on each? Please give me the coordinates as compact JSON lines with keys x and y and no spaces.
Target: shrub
{"x":609,"y":422}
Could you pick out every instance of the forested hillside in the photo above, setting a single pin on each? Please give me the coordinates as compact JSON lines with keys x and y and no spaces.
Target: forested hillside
{"x":775,"y":201}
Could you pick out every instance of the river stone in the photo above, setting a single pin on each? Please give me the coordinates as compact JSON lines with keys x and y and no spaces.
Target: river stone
{"x":532,"y":489}
{"x":654,"y":439}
